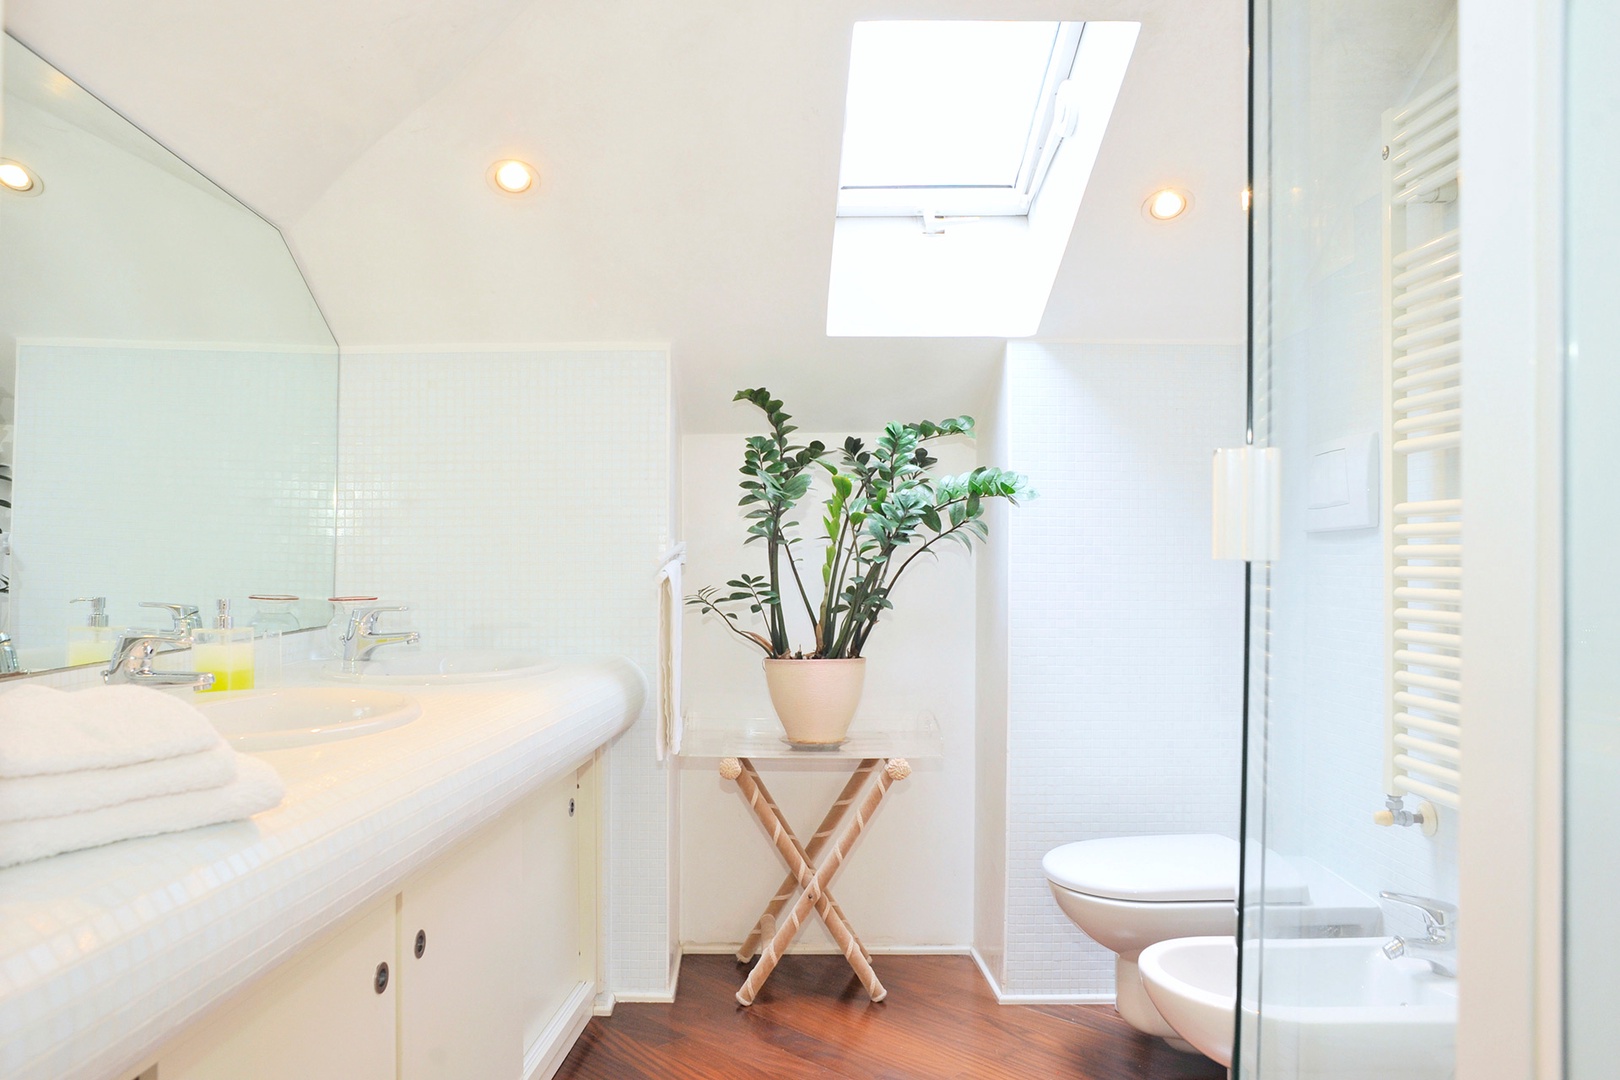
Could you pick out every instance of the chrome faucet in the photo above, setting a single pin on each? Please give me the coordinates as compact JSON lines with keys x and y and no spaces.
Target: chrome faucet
{"x":9,"y":664}
{"x":1439,"y":949}
{"x":131,"y":662}
{"x":360,"y":637}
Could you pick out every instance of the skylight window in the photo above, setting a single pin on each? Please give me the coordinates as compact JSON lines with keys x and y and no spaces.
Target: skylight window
{"x":985,"y":131}
{"x":953,"y":118}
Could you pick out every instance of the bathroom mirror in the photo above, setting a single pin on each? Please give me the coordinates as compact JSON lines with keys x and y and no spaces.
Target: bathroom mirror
{"x":168,"y":385}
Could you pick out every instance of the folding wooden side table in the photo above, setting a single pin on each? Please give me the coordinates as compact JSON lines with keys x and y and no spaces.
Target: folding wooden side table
{"x":882,"y":754}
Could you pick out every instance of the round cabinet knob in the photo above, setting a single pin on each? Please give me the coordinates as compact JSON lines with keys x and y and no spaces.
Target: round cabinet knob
{"x":380,"y":982}
{"x":421,"y":943}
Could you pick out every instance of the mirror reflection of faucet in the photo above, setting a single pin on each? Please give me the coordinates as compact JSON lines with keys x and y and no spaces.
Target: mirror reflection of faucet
{"x":184,"y":619}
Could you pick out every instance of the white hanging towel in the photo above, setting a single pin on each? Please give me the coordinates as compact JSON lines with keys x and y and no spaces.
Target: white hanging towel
{"x":669,"y":652}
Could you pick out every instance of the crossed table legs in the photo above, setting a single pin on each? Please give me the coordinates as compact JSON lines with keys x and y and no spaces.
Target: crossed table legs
{"x":811,"y":870}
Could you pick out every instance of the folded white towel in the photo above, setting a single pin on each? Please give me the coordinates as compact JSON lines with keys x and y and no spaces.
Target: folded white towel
{"x":257,"y":787}
{"x":46,"y":731}
{"x":58,"y":794}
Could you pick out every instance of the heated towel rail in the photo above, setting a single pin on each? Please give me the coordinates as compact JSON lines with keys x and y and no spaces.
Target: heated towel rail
{"x":1423,"y":417}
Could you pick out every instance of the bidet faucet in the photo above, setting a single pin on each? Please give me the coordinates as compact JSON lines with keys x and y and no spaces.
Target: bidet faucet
{"x":360,"y":637}
{"x":1439,"y":949}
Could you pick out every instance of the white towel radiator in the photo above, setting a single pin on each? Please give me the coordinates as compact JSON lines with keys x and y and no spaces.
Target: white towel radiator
{"x":1423,"y":530}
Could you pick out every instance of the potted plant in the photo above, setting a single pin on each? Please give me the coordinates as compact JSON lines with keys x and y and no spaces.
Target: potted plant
{"x":885,"y":510}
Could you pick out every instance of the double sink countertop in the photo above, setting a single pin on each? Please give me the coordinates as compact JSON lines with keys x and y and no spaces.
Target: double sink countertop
{"x":106,"y":953}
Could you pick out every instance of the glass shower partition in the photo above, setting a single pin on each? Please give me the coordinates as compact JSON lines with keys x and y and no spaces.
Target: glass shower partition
{"x":1592,"y":522}
{"x":1355,"y":625}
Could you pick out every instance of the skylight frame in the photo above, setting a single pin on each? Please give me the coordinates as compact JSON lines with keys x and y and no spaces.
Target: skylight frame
{"x":1015,"y":200}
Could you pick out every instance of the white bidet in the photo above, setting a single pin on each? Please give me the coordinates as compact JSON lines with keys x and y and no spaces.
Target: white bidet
{"x":1332,"y":1008}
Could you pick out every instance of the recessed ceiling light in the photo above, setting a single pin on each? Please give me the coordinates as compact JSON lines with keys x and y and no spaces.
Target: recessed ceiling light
{"x":19,"y":179}
{"x":512,"y":177}
{"x":1166,"y":203}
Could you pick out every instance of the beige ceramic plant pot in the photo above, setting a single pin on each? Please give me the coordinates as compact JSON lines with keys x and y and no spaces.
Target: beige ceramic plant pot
{"x":815,"y":699}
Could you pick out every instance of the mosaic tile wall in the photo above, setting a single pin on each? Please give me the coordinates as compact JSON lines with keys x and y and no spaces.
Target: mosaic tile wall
{"x":521,"y":499}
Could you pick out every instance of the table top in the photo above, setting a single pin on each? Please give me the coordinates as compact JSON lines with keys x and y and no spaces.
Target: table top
{"x":914,"y":737}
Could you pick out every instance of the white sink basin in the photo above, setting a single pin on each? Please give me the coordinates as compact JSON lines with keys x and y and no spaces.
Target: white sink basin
{"x":407,"y":666}
{"x":300,"y":716}
{"x":1332,"y":1009}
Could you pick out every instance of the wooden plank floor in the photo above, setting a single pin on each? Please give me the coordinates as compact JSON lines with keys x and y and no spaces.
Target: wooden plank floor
{"x":940,"y":1022}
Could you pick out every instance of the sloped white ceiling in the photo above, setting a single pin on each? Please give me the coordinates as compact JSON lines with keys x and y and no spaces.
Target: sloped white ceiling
{"x":688,"y":154}
{"x":272,"y":100}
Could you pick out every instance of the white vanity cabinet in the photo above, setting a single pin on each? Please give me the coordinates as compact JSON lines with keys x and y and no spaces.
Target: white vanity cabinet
{"x":490,"y":953}
{"x":459,"y":1001}
{"x":320,"y":1016}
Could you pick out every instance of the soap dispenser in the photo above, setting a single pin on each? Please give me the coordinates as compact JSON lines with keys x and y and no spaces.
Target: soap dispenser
{"x":93,"y":642}
{"x":225,"y":651}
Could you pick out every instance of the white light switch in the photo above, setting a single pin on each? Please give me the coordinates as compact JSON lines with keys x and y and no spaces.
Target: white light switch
{"x":1342,"y":485}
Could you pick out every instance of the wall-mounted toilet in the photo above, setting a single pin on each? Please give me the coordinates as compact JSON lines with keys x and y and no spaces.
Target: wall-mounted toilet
{"x":1129,"y":892}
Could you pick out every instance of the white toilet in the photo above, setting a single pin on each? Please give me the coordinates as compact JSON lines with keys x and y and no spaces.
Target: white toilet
{"x":1129,"y":892}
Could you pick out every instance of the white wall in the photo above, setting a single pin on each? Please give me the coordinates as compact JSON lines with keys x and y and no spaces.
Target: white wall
{"x":911,"y":882}
{"x":993,"y":567}
{"x":1124,"y":668}
{"x":167,"y":474}
{"x":521,"y":498}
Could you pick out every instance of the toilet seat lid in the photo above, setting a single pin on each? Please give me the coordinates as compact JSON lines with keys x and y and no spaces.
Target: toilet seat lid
{"x":1199,"y":867}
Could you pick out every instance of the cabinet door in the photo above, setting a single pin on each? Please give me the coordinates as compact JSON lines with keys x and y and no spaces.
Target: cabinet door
{"x":460,"y":1015}
{"x":552,"y":943}
{"x":318,"y":1018}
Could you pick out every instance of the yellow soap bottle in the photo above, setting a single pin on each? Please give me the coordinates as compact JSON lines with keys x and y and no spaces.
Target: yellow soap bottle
{"x":225,"y":651}
{"x":93,"y":642}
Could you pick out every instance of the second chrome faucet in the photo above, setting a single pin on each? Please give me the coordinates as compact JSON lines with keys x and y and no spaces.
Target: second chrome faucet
{"x":360,"y":637}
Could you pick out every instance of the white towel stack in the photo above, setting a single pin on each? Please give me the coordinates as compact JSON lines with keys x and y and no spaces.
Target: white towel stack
{"x":92,"y":767}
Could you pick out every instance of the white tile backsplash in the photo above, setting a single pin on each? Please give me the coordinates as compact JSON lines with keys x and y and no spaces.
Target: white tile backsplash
{"x":521,"y":499}
{"x":1124,"y":636}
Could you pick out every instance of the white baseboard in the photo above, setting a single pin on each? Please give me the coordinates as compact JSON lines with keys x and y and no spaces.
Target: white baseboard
{"x":828,"y":949}
{"x":984,"y":969}
{"x":1004,"y":998}
{"x":655,"y":997}
{"x":542,"y":1060}
{"x":605,"y":1001}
